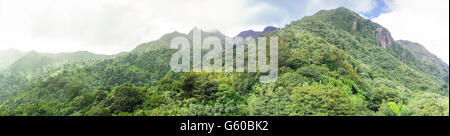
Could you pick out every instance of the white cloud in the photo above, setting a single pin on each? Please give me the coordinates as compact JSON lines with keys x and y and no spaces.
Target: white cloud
{"x":359,"y":5}
{"x":422,"y":21}
{"x":111,"y":26}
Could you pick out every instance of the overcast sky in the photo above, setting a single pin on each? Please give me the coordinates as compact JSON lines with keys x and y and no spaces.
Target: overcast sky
{"x":112,"y":26}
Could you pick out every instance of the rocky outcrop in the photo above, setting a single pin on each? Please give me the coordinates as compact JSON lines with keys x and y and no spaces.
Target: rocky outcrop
{"x":355,"y":26}
{"x":383,"y":37}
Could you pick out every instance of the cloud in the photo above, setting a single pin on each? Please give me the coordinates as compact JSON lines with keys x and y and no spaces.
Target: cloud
{"x":111,"y":26}
{"x":423,"y":21}
{"x":297,"y":9}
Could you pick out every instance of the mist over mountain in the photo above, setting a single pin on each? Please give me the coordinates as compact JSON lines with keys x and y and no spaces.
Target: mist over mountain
{"x":333,"y":63}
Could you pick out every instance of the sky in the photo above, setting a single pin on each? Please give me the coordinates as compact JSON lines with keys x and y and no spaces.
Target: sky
{"x":422,"y":21}
{"x":113,"y":26}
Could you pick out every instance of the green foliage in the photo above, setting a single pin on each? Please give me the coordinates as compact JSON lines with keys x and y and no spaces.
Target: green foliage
{"x":381,"y":94}
{"x":98,"y":111}
{"x":331,"y":64}
{"x":429,"y":104}
{"x":5,"y":111}
{"x":126,"y":98}
{"x":38,"y":62}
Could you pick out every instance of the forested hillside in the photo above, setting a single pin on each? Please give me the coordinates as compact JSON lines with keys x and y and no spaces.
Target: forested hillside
{"x":330,"y":64}
{"x":429,"y":63}
{"x":7,"y":57}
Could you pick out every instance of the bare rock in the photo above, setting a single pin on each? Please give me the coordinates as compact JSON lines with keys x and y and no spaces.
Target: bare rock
{"x":383,"y":37}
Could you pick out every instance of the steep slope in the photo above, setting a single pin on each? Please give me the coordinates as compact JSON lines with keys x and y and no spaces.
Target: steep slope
{"x":428,"y":61}
{"x":372,"y":45}
{"x":157,"y":44}
{"x":8,"y":57}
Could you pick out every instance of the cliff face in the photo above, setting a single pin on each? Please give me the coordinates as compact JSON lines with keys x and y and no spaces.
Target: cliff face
{"x":383,"y":37}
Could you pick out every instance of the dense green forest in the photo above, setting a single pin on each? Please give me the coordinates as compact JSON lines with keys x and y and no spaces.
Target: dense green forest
{"x":334,"y":63}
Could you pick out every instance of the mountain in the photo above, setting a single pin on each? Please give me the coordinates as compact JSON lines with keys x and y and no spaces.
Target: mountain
{"x":164,"y":41}
{"x":8,"y":57}
{"x":361,"y":37}
{"x":433,"y":64}
{"x":269,"y":29}
{"x":122,"y":53}
{"x":251,"y":33}
{"x":334,"y":63}
{"x":33,"y":66}
{"x":34,"y":61}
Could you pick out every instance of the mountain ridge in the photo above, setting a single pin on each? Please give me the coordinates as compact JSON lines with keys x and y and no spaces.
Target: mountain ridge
{"x":9,"y":56}
{"x":252,"y":33}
